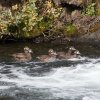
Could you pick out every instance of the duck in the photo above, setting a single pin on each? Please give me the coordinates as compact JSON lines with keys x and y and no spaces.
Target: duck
{"x":61,"y":55}
{"x":76,"y":54}
{"x":72,"y":53}
{"x":22,"y":57}
{"x":64,"y":55}
{"x":48,"y":58}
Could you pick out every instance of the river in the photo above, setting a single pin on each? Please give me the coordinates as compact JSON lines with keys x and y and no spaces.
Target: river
{"x":73,"y":79}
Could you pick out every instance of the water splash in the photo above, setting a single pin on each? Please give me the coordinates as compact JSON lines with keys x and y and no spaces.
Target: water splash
{"x":79,"y":81}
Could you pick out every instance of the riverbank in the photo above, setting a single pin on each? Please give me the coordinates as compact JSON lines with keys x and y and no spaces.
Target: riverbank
{"x":57,"y":22}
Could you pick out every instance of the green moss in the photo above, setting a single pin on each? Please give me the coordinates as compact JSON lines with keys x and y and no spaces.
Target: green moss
{"x":70,"y":30}
{"x":98,"y":11}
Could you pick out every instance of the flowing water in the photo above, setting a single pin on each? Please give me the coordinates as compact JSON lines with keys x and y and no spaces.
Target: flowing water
{"x":74,"y":79}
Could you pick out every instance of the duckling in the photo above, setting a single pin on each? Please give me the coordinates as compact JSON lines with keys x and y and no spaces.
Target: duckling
{"x":50,"y":57}
{"x":77,"y":54}
{"x":71,"y":50}
{"x":63,"y":55}
{"x":22,"y":57}
{"x":73,"y":54}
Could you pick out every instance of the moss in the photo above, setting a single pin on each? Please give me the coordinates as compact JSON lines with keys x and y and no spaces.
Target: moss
{"x":98,"y":11}
{"x":70,"y":30}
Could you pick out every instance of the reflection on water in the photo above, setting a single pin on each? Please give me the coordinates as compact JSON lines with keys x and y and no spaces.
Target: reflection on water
{"x":74,"y":79}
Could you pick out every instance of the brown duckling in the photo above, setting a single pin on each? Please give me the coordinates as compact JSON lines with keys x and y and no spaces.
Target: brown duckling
{"x":71,"y":50}
{"x":75,"y":54}
{"x":22,"y":57}
{"x":62,"y":55}
{"x":50,"y":57}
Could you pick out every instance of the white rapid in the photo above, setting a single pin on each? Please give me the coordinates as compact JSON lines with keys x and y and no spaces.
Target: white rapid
{"x":80,"y":81}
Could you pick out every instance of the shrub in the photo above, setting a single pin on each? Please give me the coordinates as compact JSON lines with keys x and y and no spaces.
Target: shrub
{"x":70,"y":30}
{"x":90,"y":9}
{"x":27,"y":21}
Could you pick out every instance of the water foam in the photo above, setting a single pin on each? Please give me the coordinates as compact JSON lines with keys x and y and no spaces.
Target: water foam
{"x":80,"y":80}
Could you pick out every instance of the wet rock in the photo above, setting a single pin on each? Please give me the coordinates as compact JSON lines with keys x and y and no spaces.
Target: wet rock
{"x":61,"y":40}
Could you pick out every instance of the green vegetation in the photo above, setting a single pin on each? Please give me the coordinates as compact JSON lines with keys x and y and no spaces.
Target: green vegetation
{"x":70,"y":30}
{"x":98,"y":11}
{"x":90,"y":9}
{"x":18,"y":23}
{"x":31,"y":20}
{"x":27,"y":22}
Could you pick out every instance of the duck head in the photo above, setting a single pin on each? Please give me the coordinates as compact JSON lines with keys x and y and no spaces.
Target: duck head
{"x":52,"y":52}
{"x":71,"y":50}
{"x":27,"y":50}
{"x":77,"y":52}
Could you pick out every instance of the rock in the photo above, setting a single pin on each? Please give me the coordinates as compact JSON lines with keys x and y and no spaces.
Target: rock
{"x":77,"y":2}
{"x":57,"y":2}
{"x":10,"y":3}
{"x":98,"y":3}
{"x":75,"y":14}
{"x":87,"y":24}
{"x":81,"y":3}
{"x":89,"y":28}
{"x":61,"y":40}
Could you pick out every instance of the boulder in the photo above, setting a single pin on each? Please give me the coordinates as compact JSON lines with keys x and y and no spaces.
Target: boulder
{"x":73,"y":2}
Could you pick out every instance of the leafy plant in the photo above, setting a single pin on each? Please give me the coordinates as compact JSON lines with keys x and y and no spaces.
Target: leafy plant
{"x":98,"y":11}
{"x":90,"y":9}
{"x":70,"y":30}
{"x":27,"y":21}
